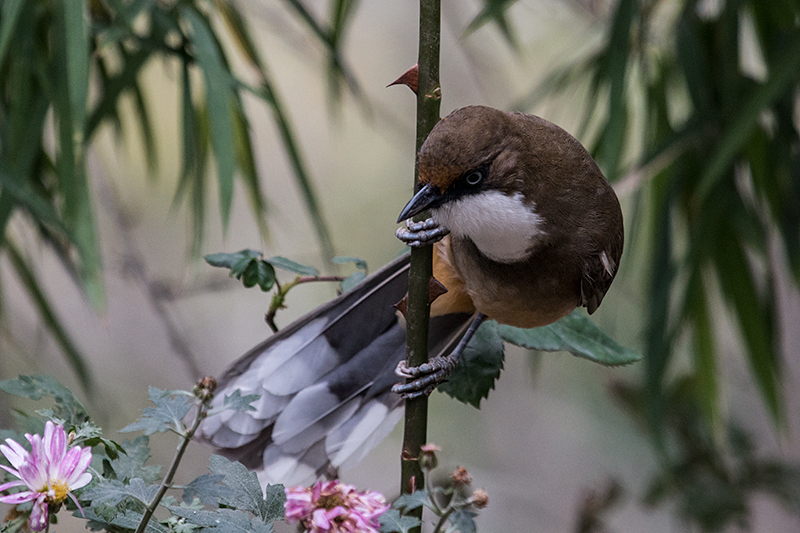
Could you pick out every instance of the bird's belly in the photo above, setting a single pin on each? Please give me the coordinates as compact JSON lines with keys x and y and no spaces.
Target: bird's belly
{"x":527,"y":294}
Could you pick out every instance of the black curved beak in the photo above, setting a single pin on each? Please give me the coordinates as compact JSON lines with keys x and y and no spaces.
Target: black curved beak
{"x":429,"y":196}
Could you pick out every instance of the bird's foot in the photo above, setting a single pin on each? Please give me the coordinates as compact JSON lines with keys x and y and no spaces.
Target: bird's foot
{"x":424,"y":233}
{"x":426,"y":376}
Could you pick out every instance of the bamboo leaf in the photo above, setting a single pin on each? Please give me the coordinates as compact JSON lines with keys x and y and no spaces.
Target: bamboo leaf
{"x":783,"y":76}
{"x":9,"y":15}
{"x":739,"y":287}
{"x":219,"y":98}
{"x":29,"y":282}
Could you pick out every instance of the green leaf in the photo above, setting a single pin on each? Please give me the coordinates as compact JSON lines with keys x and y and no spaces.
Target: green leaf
{"x":463,"y":520}
{"x":237,"y":402}
{"x":51,"y":320}
{"x":292,"y":266}
{"x":495,"y":11}
{"x":415,"y":500}
{"x":350,"y":282}
{"x":574,"y":333}
{"x":207,"y":488}
{"x":229,"y":260}
{"x":478,"y":368}
{"x":113,"y":492}
{"x":223,"y":520}
{"x":219,"y":97}
{"x":359,"y":263}
{"x":9,"y":15}
{"x":246,"y":490}
{"x":37,"y":387}
{"x":783,"y":76}
{"x":393,"y":522}
{"x":131,"y":464}
{"x":165,"y":416}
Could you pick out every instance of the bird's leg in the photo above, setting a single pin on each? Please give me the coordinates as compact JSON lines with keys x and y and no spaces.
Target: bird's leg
{"x":436,"y":370}
{"x":423,"y":233}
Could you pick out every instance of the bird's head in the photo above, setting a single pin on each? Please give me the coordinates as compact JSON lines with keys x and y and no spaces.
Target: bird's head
{"x":457,"y":158}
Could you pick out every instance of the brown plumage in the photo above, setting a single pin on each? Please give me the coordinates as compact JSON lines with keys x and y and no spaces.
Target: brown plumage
{"x":537,"y":179}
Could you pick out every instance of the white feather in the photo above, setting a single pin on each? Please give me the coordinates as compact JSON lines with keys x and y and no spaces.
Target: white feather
{"x":502,"y":226}
{"x":350,"y":442}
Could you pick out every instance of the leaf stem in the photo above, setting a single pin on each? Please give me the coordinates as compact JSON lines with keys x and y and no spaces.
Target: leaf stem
{"x":418,"y":310}
{"x":173,"y":467}
{"x":282,"y":290}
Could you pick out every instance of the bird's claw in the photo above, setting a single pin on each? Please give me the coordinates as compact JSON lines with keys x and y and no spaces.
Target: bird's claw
{"x":424,"y":233}
{"x":429,"y":375}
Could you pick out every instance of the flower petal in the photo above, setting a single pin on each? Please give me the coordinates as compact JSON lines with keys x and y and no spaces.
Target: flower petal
{"x":34,"y":475}
{"x":84,"y":458}
{"x":74,"y":499}
{"x":81,"y":481}
{"x":15,"y":483}
{"x":55,"y":443}
{"x":10,"y":470}
{"x":20,"y":497}
{"x":15,"y":453}
{"x":39,"y":514}
{"x":65,"y":468}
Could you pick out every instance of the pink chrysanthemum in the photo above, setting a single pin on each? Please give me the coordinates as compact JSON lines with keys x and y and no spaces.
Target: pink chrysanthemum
{"x":333,"y":507}
{"x":51,"y":470}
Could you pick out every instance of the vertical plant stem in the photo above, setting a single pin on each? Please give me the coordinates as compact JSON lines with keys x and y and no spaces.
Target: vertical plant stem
{"x":418,"y":310}
{"x":186,"y":438}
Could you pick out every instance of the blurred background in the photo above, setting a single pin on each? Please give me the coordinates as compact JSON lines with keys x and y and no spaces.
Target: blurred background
{"x":136,"y":136}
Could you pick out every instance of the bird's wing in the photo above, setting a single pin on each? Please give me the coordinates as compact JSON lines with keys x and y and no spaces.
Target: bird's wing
{"x":324,"y":383}
{"x":598,"y":273}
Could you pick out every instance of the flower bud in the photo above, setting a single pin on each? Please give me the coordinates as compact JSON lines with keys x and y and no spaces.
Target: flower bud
{"x":427,"y":456}
{"x":461,"y":476}
{"x":205,"y":387}
{"x":479,"y":499}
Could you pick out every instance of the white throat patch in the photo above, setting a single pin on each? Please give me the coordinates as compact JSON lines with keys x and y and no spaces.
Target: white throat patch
{"x":501,"y":226}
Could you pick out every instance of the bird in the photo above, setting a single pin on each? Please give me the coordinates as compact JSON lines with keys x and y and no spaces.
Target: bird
{"x":525,"y":228}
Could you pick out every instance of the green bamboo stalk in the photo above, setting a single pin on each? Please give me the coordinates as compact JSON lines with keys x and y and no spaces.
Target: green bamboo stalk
{"x":418,"y":310}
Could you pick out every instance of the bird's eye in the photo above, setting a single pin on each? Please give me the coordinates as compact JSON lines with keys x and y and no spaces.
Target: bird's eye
{"x":474,"y":177}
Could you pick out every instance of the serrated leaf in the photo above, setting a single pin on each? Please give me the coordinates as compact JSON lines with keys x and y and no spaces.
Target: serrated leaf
{"x":409,"y":502}
{"x":39,"y":386}
{"x":393,"y":522}
{"x":224,"y":520}
{"x":131,"y":464}
{"x":463,"y":520}
{"x":207,"y":488}
{"x":131,"y":519}
{"x":246,"y":491}
{"x":113,"y":492}
{"x":237,"y":402}
{"x":292,"y":266}
{"x":478,"y":368}
{"x":576,"y":334}
{"x":167,"y":414}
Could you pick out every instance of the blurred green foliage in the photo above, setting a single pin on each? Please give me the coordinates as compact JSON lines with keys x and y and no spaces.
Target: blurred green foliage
{"x":65,"y":69}
{"x":716,"y":163}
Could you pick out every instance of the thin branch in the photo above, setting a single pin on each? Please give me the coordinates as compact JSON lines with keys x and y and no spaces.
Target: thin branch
{"x":166,"y":483}
{"x":418,"y":310}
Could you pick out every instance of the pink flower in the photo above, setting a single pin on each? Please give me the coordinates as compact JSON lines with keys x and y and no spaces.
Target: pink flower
{"x":333,"y":507}
{"x":50,"y":471}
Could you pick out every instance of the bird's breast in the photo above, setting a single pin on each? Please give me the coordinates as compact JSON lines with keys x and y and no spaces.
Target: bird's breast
{"x":502,"y":226}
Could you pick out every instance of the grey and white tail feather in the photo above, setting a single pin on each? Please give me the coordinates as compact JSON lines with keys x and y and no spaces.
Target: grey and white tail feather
{"x":325,"y":384}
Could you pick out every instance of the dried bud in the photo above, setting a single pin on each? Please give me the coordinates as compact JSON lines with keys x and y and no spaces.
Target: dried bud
{"x":427,"y":456}
{"x":461,"y":476}
{"x":479,"y":499}
{"x":205,"y":387}
{"x":71,"y":438}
